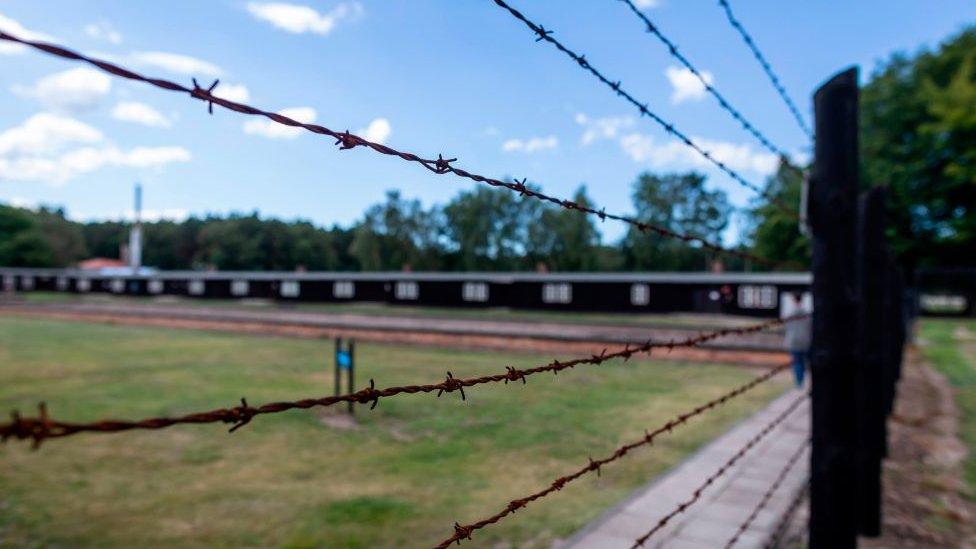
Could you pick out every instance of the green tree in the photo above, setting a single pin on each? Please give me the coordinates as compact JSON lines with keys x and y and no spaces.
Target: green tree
{"x":679,"y":203}
{"x":775,"y":234}
{"x":22,"y":244}
{"x":396,"y":234}
{"x":489,"y":230}
{"x":918,"y":137}
{"x":565,"y":240}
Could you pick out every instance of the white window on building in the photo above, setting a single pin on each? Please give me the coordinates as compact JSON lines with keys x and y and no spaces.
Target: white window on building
{"x":474,"y":291}
{"x":943,"y":303}
{"x":197,"y":287}
{"x":9,"y":283}
{"x":757,"y":297}
{"x":117,"y":285}
{"x":26,"y":283}
{"x":154,"y":286}
{"x":557,"y":293}
{"x":406,"y":290}
{"x":62,"y":283}
{"x":289,"y":288}
{"x":239,"y":287}
{"x":343,"y":289}
{"x":83,"y":285}
{"x":640,"y":294}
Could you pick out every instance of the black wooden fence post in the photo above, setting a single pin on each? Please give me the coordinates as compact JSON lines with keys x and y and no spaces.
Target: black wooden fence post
{"x":872,"y":372}
{"x":833,"y":198}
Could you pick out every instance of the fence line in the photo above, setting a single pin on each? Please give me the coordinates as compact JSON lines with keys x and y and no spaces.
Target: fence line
{"x":346,"y":140}
{"x":40,"y":428}
{"x":465,"y":531}
{"x":722,"y":101}
{"x":546,"y":35}
{"x":788,"y":515}
{"x":767,"y":68}
{"x":769,"y":494}
{"x":696,"y":495}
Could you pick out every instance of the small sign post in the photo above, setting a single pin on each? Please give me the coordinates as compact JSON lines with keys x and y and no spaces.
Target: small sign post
{"x":345,"y":360}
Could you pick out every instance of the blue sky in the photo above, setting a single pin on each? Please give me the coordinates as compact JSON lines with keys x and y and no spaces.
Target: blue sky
{"x":459,"y":77}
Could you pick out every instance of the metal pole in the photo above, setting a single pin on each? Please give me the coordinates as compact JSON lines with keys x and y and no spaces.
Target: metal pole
{"x":351,"y":349}
{"x":833,"y":199}
{"x":335,"y":360}
{"x":872,"y":267}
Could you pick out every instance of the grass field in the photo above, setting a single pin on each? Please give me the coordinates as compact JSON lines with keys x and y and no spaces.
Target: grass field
{"x":951,"y":347}
{"x":409,"y":470}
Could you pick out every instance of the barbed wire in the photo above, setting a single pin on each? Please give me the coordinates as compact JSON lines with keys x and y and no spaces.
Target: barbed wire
{"x":546,"y":35}
{"x":465,"y":531}
{"x":346,"y":140}
{"x":722,"y":101}
{"x":40,"y":428}
{"x":784,"y":522}
{"x":767,"y":68}
{"x":696,"y":495}
{"x":769,"y":494}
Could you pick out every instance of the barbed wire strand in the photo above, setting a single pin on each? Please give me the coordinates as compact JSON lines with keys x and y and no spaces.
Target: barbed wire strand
{"x":788,"y":516}
{"x":546,"y":35}
{"x":706,"y":83}
{"x":767,"y":68}
{"x":346,"y":140}
{"x":769,"y":494}
{"x":462,"y":532}
{"x":696,"y":495}
{"x":40,"y":428}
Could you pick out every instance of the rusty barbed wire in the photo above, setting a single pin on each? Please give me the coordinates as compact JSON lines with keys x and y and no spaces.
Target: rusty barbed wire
{"x":722,"y":101}
{"x":40,"y":428}
{"x":767,"y":68}
{"x":346,"y":140}
{"x":696,"y":495}
{"x":465,"y":531}
{"x":769,"y":494}
{"x":546,"y":35}
{"x":788,"y":516}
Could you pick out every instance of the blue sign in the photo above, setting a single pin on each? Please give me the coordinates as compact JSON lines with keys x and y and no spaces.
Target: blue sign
{"x":344,"y":360}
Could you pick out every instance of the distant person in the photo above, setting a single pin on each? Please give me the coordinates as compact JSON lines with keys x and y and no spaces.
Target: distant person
{"x":798,"y":336}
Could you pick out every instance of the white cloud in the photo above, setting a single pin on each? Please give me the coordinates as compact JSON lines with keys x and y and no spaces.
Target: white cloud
{"x":674,"y":154}
{"x":15,"y":28}
{"x":645,"y":4}
{"x":602,"y":128}
{"x":44,"y":133}
{"x":38,"y":150}
{"x":73,"y":90}
{"x":174,"y":62}
{"x":299,"y":19}
{"x":531,"y":145}
{"x":378,"y":131}
{"x":687,"y":86}
{"x":140,"y":113}
{"x":237,"y":93}
{"x":274,"y":130}
{"x":103,"y":31}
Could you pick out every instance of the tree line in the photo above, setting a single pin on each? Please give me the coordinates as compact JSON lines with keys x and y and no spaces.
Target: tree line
{"x":479,"y":230}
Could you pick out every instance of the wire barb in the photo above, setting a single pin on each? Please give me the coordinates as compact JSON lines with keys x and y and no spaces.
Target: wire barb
{"x":767,"y":68}
{"x":440,"y":165}
{"x":595,"y":464}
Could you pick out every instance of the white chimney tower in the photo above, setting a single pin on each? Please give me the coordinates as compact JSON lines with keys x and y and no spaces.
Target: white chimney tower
{"x":135,"y":234}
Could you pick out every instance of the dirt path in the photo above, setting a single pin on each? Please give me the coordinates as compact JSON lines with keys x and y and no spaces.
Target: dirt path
{"x":513,"y":341}
{"x":923,"y":483}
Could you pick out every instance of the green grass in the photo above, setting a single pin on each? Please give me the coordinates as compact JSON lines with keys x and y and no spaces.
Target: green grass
{"x":951,"y":347}
{"x":675,"y":320}
{"x":413,"y":466}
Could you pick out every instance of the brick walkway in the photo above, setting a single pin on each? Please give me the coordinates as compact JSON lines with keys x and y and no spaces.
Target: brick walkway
{"x":714,"y":519}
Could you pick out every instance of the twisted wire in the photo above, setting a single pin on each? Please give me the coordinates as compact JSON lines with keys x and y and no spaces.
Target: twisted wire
{"x":768,"y":495}
{"x":696,"y":495}
{"x":722,"y":101}
{"x":40,"y":428}
{"x":546,"y":35}
{"x":788,"y":515}
{"x":465,"y":531}
{"x":346,"y":140}
{"x":767,"y":68}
